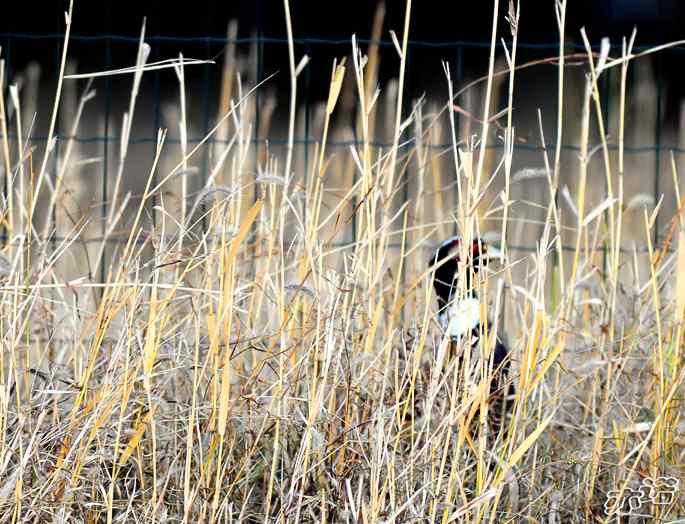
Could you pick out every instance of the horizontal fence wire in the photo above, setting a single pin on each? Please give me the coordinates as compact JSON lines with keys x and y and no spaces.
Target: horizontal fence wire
{"x":310,"y":41}
{"x":319,"y":41}
{"x":342,"y":143}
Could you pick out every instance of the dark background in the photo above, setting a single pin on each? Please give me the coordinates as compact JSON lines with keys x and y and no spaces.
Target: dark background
{"x":198,"y":23}
{"x":431,"y":21}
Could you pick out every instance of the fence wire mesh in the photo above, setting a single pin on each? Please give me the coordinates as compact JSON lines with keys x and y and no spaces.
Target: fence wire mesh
{"x":109,"y":50}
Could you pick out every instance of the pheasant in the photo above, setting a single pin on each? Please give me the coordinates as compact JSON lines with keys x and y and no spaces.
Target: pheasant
{"x":459,"y":316}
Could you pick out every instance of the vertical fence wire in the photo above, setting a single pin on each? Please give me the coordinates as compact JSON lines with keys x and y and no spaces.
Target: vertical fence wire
{"x":8,"y":72}
{"x":307,"y":139}
{"x":55,"y":160}
{"x":407,"y":108}
{"x":605,"y":97}
{"x":156,"y":106}
{"x":106,"y":144}
{"x":206,"y":83}
{"x":657,"y":153}
{"x":6,"y":51}
{"x":457,"y":115}
{"x":259,"y":64}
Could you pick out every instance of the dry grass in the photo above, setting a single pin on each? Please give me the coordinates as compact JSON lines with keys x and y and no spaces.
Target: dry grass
{"x":277,"y":358}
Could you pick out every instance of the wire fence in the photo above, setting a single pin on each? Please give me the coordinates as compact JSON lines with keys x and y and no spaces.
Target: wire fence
{"x":103,"y":49}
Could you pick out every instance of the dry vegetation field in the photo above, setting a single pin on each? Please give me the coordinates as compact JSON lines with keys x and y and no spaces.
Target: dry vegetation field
{"x":258,"y":343}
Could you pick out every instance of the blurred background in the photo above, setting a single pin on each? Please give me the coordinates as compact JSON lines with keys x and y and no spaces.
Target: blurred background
{"x":105,"y":36}
{"x":28,"y":33}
